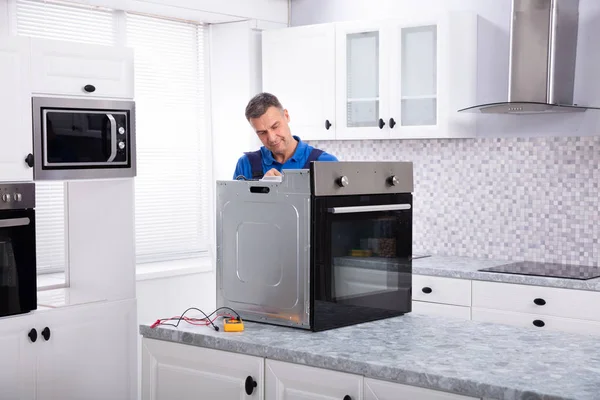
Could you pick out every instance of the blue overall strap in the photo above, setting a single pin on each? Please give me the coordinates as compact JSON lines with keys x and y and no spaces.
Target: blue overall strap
{"x":313,"y":156}
{"x":255,"y":158}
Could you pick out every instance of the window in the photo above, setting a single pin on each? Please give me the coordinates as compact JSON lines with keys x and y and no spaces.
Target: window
{"x":172,"y":186}
{"x":171,"y":208}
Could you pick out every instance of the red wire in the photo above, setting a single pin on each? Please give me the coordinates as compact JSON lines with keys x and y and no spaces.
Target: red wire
{"x":191,"y":321}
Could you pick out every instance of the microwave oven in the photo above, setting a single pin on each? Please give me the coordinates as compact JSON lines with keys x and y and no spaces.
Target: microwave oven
{"x":82,"y":138}
{"x":319,"y":248}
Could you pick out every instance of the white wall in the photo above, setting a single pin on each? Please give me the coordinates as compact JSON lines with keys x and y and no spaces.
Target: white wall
{"x":4,"y":31}
{"x":492,"y":57}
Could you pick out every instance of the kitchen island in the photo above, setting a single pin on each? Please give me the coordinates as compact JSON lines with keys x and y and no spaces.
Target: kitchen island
{"x":468,"y":358}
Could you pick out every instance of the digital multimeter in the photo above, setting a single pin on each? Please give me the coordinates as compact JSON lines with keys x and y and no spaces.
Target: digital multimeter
{"x":233,"y":325}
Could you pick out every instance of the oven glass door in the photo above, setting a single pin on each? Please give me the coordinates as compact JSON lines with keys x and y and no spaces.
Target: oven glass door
{"x":80,"y":138}
{"x":362,"y":268}
{"x":18,"y":288}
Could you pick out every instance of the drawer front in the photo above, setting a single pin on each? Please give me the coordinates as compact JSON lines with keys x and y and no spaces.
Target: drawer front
{"x":534,"y":321}
{"x":67,"y":68}
{"x":441,"y":310}
{"x":382,"y":390}
{"x":539,"y":300}
{"x":442,"y":290}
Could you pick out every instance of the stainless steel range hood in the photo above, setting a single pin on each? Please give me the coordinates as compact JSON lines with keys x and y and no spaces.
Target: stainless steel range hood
{"x":543,"y":48}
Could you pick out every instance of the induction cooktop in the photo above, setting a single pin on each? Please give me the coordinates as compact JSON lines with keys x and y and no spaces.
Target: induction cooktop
{"x":581,"y":272}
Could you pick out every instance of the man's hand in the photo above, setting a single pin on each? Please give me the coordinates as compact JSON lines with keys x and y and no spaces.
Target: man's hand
{"x":273,"y":172}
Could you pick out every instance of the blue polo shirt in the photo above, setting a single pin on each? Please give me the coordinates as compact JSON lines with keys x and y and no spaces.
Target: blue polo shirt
{"x":297,"y":161}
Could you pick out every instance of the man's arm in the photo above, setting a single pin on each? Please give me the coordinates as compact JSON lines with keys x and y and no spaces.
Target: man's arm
{"x":327,"y":157}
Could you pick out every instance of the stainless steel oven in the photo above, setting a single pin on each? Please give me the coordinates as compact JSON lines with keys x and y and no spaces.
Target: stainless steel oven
{"x":18,"y":282}
{"x":82,"y":138}
{"x":319,"y":249}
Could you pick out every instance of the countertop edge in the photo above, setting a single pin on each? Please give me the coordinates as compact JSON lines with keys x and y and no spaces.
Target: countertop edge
{"x":368,"y":370}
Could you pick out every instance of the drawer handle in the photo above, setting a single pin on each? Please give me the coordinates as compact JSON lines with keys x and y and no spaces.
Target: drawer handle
{"x":89,"y":88}
{"x":539,"y":323}
{"x":347,"y":397}
{"x":427,"y":290}
{"x":539,"y":302}
{"x":249,"y":385}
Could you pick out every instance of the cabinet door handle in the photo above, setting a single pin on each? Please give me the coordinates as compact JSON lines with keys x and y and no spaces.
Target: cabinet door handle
{"x":427,"y":290}
{"x":249,"y":385}
{"x":89,"y":88}
{"x":29,"y":160}
{"x":381,"y":123}
{"x":392,"y":123}
{"x":32,"y":335}
{"x":347,"y":397}
{"x":46,"y":333}
{"x":539,"y":323}
{"x":539,"y":302}
{"x":327,"y":124}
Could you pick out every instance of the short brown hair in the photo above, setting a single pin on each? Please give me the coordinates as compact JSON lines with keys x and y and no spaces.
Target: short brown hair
{"x":260,"y":103}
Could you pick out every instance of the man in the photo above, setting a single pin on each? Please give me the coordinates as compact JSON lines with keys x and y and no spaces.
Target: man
{"x":280,"y":149}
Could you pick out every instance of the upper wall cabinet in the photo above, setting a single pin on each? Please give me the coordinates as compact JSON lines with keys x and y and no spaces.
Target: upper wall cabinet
{"x":15,"y":110}
{"x":395,"y":79}
{"x":81,"y":69}
{"x":299,"y":68}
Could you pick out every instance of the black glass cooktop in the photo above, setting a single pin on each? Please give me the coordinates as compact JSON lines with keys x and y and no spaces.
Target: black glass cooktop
{"x":581,"y":272}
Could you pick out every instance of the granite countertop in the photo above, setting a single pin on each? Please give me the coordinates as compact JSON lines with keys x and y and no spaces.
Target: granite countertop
{"x":465,"y":357}
{"x":467,"y":268}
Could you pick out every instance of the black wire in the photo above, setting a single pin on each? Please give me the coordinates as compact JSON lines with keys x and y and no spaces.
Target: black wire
{"x":240,"y":177}
{"x":205,"y":316}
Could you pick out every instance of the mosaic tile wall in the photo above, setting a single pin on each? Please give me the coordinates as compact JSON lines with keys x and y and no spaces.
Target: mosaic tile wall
{"x":534,"y":199}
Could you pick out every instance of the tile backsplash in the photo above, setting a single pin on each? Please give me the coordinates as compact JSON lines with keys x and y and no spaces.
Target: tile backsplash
{"x":535,"y":199}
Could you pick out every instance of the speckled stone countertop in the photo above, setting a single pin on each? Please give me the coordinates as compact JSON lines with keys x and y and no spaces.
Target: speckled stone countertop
{"x":465,"y":357}
{"x":468,"y":268}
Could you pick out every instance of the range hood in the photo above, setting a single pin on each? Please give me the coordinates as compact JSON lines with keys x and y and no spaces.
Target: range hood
{"x":543,"y":48}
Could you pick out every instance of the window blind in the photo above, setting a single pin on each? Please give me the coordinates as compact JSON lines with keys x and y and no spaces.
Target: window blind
{"x":59,"y":21}
{"x":171,"y":207}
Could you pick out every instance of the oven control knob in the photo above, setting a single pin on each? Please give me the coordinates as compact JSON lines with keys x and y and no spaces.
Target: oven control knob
{"x":342,"y":181}
{"x":121,"y":145}
{"x":6,"y":198}
{"x":18,"y":197}
{"x":393,"y":180}
{"x":121,"y":130}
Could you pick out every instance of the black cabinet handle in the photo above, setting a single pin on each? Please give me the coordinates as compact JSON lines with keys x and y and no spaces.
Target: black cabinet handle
{"x":427,"y":290}
{"x":381,"y":123}
{"x":392,"y":123}
{"x":539,"y":302}
{"x":46,"y":333}
{"x":539,"y":323}
{"x":29,"y":160}
{"x":249,"y":385}
{"x":327,"y":124}
{"x":89,"y":88}
{"x":346,"y":397}
{"x":32,"y":335}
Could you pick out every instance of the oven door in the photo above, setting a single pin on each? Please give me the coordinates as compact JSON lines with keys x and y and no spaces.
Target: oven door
{"x":362,"y":251}
{"x":18,"y":285}
{"x":78,"y":138}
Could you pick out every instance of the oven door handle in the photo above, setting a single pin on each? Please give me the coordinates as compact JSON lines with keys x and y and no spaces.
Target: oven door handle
{"x":7,"y":223}
{"x":113,"y":138}
{"x":361,"y":209}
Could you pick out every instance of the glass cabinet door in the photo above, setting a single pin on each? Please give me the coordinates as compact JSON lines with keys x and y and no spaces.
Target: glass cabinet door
{"x":360,"y":65}
{"x":414,"y":102}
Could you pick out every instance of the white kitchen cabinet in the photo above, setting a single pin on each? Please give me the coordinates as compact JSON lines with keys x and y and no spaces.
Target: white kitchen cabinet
{"x":441,"y":296}
{"x":287,"y":381}
{"x":362,"y":61}
{"x":177,"y":371}
{"x":382,"y":390}
{"x":536,"y":321}
{"x":16,"y":140}
{"x":90,"y":353}
{"x":299,"y":68}
{"x":17,"y":376}
{"x":66,"y":68}
{"x":79,"y":352}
